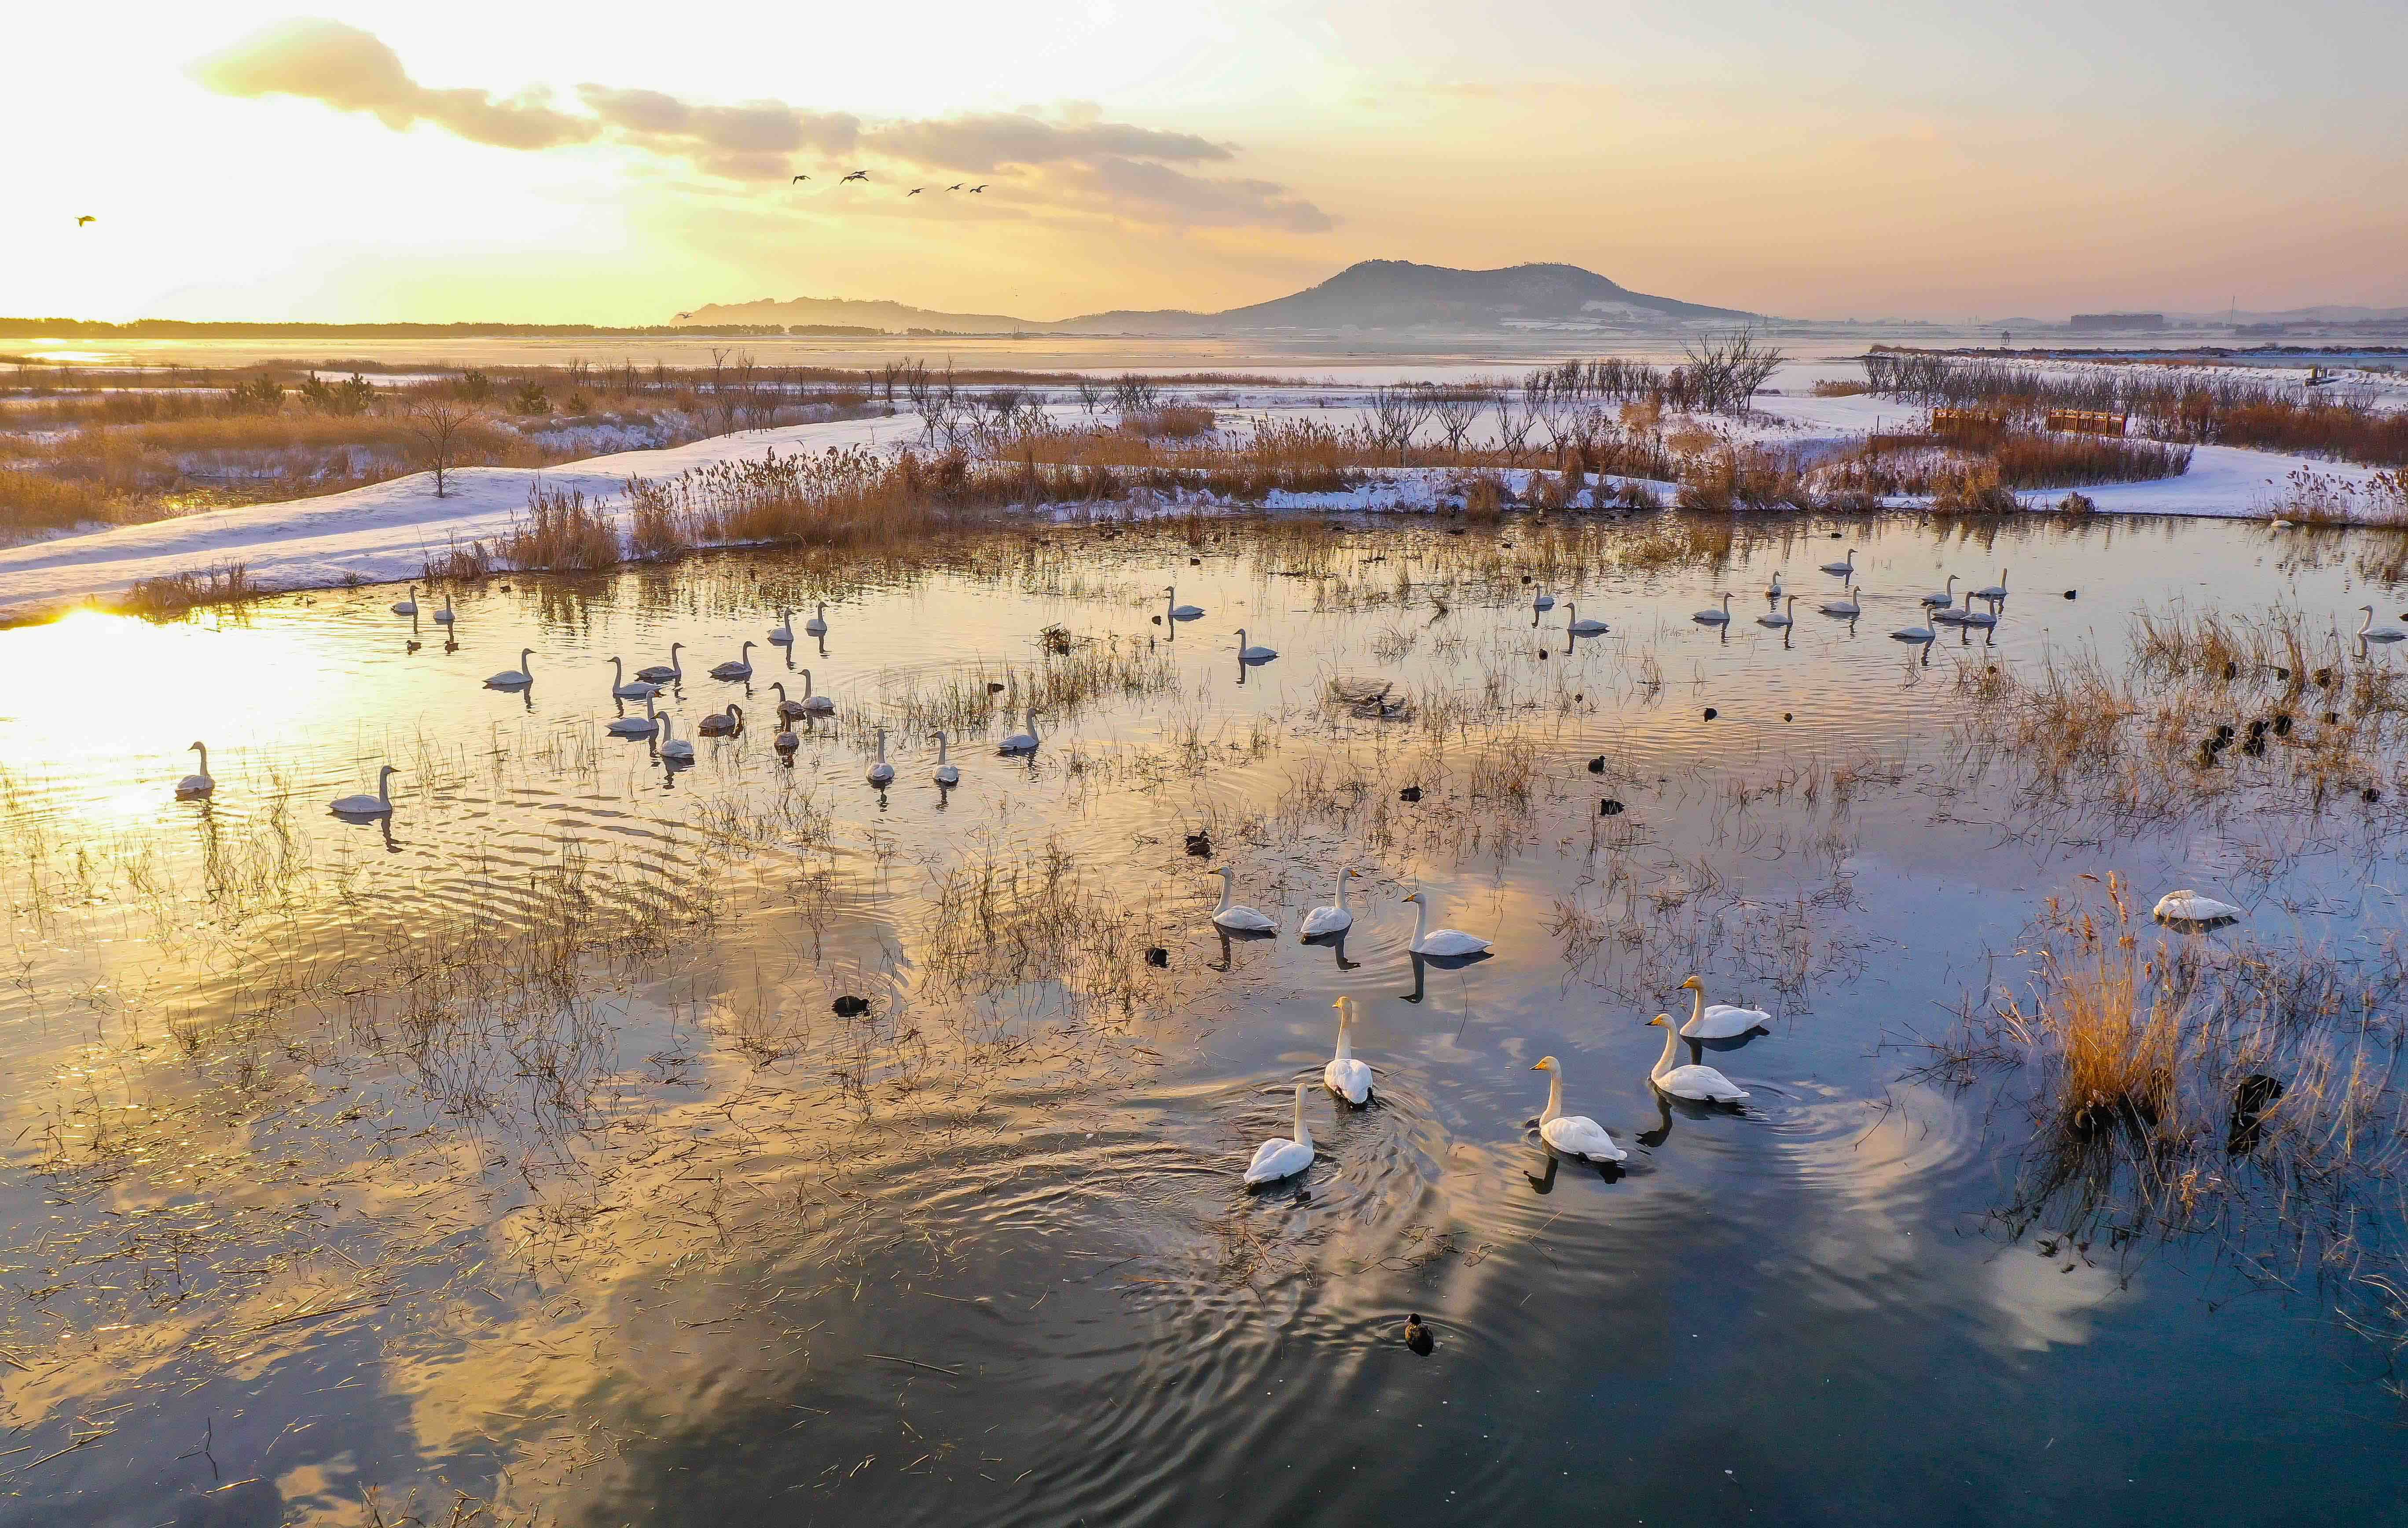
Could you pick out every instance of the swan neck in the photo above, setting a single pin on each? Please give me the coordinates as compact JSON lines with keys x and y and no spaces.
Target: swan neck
{"x":1697,"y":1007}
{"x":1303,"y":1137}
{"x":1672,"y":1048}
{"x":1342,"y":876}
{"x":1421,"y":921}
{"x":1555,"y":1093}
{"x":203,"y":749}
{"x":1345,"y":1042}
{"x":1226,"y":888}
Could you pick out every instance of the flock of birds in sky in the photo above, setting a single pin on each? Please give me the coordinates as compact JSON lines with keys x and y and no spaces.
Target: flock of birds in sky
{"x":1346,"y":1077}
{"x":863,"y":176}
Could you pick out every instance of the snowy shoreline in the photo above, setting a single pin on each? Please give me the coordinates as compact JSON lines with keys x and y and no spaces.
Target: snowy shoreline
{"x":388,"y":532}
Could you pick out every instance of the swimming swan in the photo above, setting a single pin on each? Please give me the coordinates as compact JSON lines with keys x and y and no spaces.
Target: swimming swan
{"x":722,"y":724}
{"x":1238,"y":919}
{"x":1965,"y":614}
{"x":1180,"y":611}
{"x":407,"y":605}
{"x":1845,"y":605}
{"x":785,"y":741}
{"x":817,"y":625}
{"x":882,"y":773}
{"x":444,"y":616}
{"x":1719,"y":1020}
{"x":1579,"y":627}
{"x":1944,"y":598}
{"x":1713,"y":617}
{"x":1346,"y":1076}
{"x":1697,"y":1084}
{"x":1776,"y":591}
{"x":1913,"y":634}
{"x":1845,"y":570}
{"x":815,"y":705}
{"x":1573,"y":1134}
{"x":1786,"y":617}
{"x":1021,"y":743}
{"x":788,"y":711}
{"x":782,"y":634}
{"x":1276,"y":1158}
{"x":1334,"y":918}
{"x":2189,"y":906}
{"x":674,"y":749}
{"x":518,"y":678}
{"x":1257,"y":653}
{"x":738,"y":667}
{"x":1429,"y":941}
{"x":378,"y":806}
{"x":623,"y":688}
{"x":2368,"y":632}
{"x":1543,"y":600}
{"x":197,"y":784}
{"x":664,"y":673}
{"x":636,"y":726}
{"x":946,"y":774}
{"x":1996,"y":592}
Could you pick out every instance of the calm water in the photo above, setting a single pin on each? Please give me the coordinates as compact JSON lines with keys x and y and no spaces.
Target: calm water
{"x":334,"y":1171}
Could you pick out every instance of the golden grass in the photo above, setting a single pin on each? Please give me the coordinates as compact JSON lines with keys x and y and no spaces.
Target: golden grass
{"x":560,"y":529}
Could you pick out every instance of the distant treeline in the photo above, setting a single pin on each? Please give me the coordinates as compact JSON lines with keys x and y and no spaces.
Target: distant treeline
{"x":177,"y":328}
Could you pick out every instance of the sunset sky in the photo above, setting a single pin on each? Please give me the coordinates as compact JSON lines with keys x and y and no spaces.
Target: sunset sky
{"x":616,"y":164}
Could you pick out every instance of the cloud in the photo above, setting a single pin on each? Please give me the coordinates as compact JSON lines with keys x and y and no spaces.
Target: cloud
{"x":1075,"y":161}
{"x":351,"y":70}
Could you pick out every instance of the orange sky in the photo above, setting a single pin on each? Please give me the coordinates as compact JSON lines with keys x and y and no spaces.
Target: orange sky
{"x":617,"y":164}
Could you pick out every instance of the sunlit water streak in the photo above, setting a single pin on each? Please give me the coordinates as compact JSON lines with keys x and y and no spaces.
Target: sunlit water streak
{"x":651,"y":1236}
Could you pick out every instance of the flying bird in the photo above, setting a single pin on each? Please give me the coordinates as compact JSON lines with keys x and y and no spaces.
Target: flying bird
{"x":956,"y":186}
{"x":86,"y":218}
{"x":975,"y":190}
{"x":915,"y":191}
{"x":857,"y":175}
{"x":799,"y":180}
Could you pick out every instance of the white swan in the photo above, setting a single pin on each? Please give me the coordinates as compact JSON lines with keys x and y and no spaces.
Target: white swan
{"x":788,"y":711}
{"x":815,"y":705}
{"x":444,"y":616}
{"x":636,"y":726}
{"x":1429,"y":941}
{"x":1713,"y":617}
{"x":664,"y":673}
{"x":1277,"y":1157}
{"x":1965,"y":614}
{"x":1543,"y":600}
{"x":2189,"y":906}
{"x":1913,"y":634}
{"x":1786,"y":617}
{"x":1334,"y":918}
{"x":738,"y":667}
{"x":1845,"y":570}
{"x":1719,"y":1020}
{"x":407,"y":605}
{"x":1942,"y":599}
{"x":1697,"y":1084}
{"x":1257,"y":653}
{"x":817,"y":625}
{"x":722,"y":724}
{"x":1776,"y":591}
{"x":674,"y":749}
{"x":1346,"y":1076}
{"x":1579,"y":627}
{"x":1180,"y":611}
{"x":1845,"y":605}
{"x":623,"y":688}
{"x":378,"y":806}
{"x":1238,"y":919}
{"x":1021,"y":743}
{"x":1573,"y":1134}
{"x":1996,"y":592}
{"x":782,"y":634}
{"x":197,"y":784}
{"x":2368,"y":632}
{"x":882,"y":773}
{"x":946,"y":774}
{"x":518,"y":678}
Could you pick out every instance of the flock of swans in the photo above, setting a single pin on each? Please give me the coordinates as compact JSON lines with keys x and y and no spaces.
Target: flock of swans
{"x":1352,"y":1085}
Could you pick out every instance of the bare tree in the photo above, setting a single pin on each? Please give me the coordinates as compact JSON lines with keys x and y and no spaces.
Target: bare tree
{"x":437,"y":424}
{"x":1398,"y":415}
{"x":1513,"y":423}
{"x":1456,"y":410}
{"x":1725,"y":370}
{"x":1089,"y":394}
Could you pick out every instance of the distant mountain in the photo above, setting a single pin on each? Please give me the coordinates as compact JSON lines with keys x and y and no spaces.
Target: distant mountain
{"x":1387,"y":294}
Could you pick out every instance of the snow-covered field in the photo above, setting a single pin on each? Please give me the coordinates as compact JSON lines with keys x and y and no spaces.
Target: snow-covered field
{"x":388,"y":531}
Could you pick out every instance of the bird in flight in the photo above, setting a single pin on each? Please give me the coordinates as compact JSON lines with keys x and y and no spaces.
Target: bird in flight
{"x":86,"y":218}
{"x":975,"y":190}
{"x":799,"y":180}
{"x":857,"y":175}
{"x":956,"y":186}
{"x":915,"y":191}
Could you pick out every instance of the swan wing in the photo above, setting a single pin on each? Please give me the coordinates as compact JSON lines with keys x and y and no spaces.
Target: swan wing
{"x":1702,"y":1083}
{"x":1723,"y":1021}
{"x":1452,"y":942}
{"x":1327,"y":920}
{"x":1243,"y":918}
{"x":1276,"y":1158}
{"x":1577,"y":1135}
{"x":1349,"y":1079}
